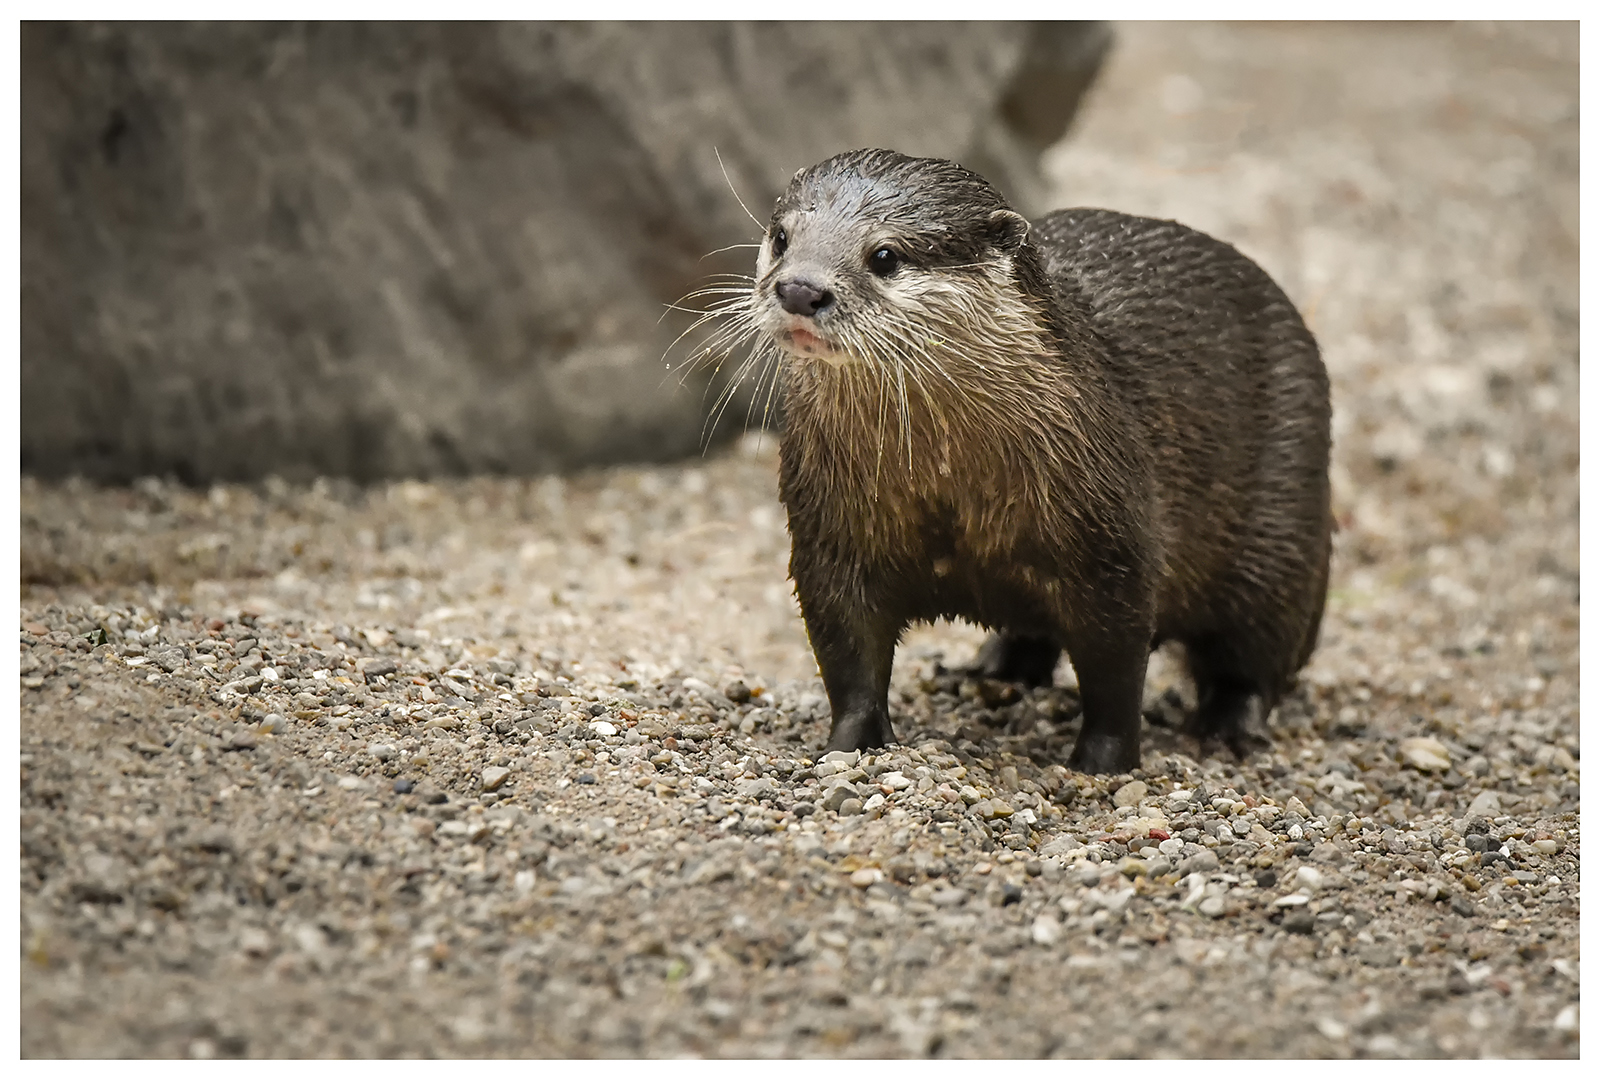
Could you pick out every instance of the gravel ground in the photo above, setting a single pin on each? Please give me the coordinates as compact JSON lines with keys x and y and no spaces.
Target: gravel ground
{"x":529,"y":767}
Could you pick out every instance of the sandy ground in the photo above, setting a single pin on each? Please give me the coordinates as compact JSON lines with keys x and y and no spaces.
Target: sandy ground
{"x":507,"y":767}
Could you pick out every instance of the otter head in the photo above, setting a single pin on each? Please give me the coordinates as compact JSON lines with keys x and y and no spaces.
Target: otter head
{"x":875,"y":257}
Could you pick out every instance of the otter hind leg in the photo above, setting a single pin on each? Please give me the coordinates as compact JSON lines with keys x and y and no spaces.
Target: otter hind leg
{"x":1233,"y":707}
{"x":1233,"y":714}
{"x":1015,"y":658}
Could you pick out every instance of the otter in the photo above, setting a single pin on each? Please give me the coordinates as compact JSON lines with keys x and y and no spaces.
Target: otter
{"x":1093,"y":432}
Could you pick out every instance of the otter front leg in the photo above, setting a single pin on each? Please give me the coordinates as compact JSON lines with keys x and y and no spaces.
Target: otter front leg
{"x":1111,"y":672}
{"x":855,"y":657}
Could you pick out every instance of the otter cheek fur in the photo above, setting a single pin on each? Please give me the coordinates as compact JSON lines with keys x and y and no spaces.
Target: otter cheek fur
{"x":1093,"y":433}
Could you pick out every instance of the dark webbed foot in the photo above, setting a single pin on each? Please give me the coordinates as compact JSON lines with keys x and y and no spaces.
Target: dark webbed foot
{"x":1010,"y":658}
{"x":860,"y":731}
{"x":1104,"y":754}
{"x":1234,"y":716}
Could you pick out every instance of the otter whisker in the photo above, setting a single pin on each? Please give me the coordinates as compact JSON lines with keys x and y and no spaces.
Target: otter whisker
{"x":730,"y":247}
{"x":732,"y":332}
{"x":769,"y":366}
{"x":720,"y":405}
{"x":721,"y":165}
{"x":905,"y":416}
{"x":883,"y":398}
{"x":776,"y":367}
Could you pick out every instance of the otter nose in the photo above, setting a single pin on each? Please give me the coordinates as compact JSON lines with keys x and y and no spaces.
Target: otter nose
{"x":802,"y":297}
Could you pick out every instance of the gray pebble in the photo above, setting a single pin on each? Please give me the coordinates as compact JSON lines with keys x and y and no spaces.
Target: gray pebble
{"x":1300,"y":921}
{"x":836,"y":797}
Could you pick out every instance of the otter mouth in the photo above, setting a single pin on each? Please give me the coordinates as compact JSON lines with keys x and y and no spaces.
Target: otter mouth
{"x":805,"y":341}
{"x":800,"y":341}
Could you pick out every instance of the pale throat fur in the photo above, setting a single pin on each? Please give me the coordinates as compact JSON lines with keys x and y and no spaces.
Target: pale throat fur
{"x":913,"y":421}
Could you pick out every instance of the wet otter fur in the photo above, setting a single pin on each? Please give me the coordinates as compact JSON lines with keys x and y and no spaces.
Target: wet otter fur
{"x":1094,"y":433}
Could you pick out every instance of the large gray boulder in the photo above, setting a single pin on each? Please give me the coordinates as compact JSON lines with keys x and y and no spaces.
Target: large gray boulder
{"x":403,"y":249}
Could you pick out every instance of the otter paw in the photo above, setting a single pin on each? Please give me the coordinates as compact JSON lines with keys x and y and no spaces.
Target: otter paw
{"x":1104,"y":754}
{"x":860,"y":732}
{"x":1234,"y":719}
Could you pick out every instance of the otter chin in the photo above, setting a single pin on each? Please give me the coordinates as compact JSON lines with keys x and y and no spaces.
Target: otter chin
{"x":1091,"y":432}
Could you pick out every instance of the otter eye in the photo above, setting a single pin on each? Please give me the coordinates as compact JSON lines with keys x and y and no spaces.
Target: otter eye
{"x":780,"y":242}
{"x":883,"y":262}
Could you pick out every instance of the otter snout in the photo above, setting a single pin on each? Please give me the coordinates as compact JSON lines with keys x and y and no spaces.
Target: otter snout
{"x":801,"y":297}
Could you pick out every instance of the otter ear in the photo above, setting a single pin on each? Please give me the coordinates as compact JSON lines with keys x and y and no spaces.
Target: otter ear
{"x":1007,"y":230}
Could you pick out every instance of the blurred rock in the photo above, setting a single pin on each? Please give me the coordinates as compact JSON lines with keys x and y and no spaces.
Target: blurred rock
{"x":398,"y":249}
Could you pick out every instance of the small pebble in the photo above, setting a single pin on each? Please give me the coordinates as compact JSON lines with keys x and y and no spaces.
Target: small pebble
{"x":1130,"y":793}
{"x":1204,"y":862}
{"x":1309,"y":879}
{"x":866,"y":876}
{"x":836,"y":796}
{"x":404,"y":786}
{"x":1426,"y":754}
{"x":1300,"y":921}
{"x":850,"y":807}
{"x":495,"y":775}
